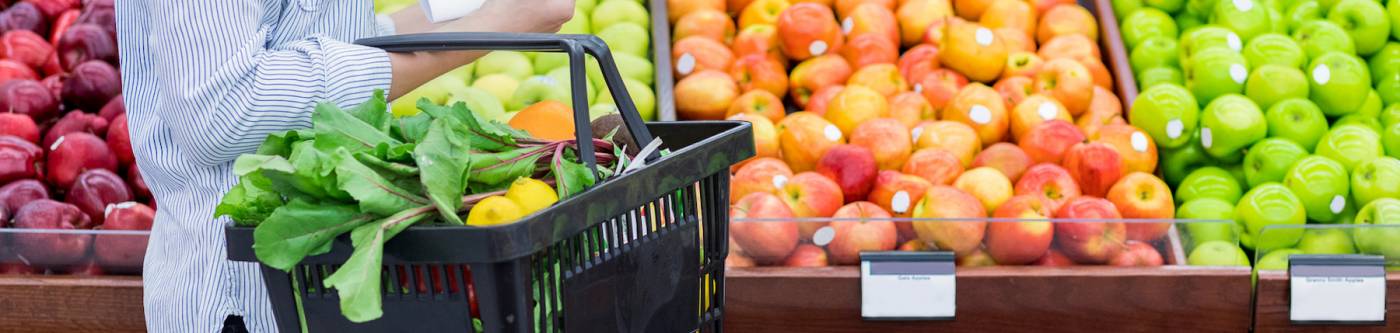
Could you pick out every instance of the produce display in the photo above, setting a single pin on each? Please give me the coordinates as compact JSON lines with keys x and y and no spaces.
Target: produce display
{"x":503,"y":83}
{"x":65,"y":154}
{"x":1274,"y":113}
{"x":993,"y":109}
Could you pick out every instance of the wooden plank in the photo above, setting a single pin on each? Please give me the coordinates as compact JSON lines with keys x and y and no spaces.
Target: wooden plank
{"x":71,"y":304}
{"x":1271,"y":307}
{"x":1003,"y":299}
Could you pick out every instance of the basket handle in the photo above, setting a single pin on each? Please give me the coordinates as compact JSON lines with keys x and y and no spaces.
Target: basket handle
{"x":575,"y":45}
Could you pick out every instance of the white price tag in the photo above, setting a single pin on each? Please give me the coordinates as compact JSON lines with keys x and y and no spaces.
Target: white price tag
{"x":1336,"y":289}
{"x":907,"y":286}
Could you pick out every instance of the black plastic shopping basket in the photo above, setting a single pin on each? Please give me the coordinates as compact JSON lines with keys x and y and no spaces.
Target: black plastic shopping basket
{"x":641,"y":252}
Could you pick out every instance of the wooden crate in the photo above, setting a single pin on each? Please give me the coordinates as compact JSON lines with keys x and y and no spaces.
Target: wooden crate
{"x":71,"y":304}
{"x":1271,"y":307}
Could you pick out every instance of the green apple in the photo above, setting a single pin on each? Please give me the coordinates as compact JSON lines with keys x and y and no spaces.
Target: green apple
{"x":1375,"y":179}
{"x":1350,"y":145}
{"x":1154,"y":52}
{"x":1147,"y":23}
{"x":1168,"y":113}
{"x":1217,"y":253}
{"x":1381,"y":234}
{"x":1200,"y":9}
{"x":579,"y":24}
{"x":1236,"y":170}
{"x":1178,"y":162}
{"x":501,"y":86}
{"x":545,"y":62}
{"x":478,"y":101}
{"x":1272,"y":83}
{"x":1208,"y":182}
{"x":1188,"y":22}
{"x":1297,"y":120}
{"x":1338,"y":82}
{"x":642,"y":98}
{"x":609,"y":13}
{"x":1390,"y":140}
{"x":515,"y":64}
{"x":1121,"y":8}
{"x":601,"y":109}
{"x":1371,"y":108}
{"x":390,"y":6}
{"x":1266,"y":205}
{"x":1385,"y":61}
{"x":1321,"y":36}
{"x":1229,"y":124}
{"x":1322,"y":184}
{"x":626,"y":38}
{"x":1159,"y":75}
{"x":436,"y":91}
{"x":1270,"y":159}
{"x":1169,"y":6}
{"x":585,"y":5}
{"x":1359,"y":119}
{"x":1214,"y":220}
{"x":1302,"y":12}
{"x":1276,"y":21}
{"x":1388,"y":87}
{"x":1392,"y":10}
{"x":465,"y":73}
{"x":1390,"y":115}
{"x":1205,"y":38}
{"x":554,"y":87}
{"x":633,"y":67}
{"x":1245,"y":17}
{"x":1365,"y":21}
{"x":562,"y":76}
{"x":1276,"y":260}
{"x":1216,"y":72}
{"x":1327,"y":241}
{"x":1275,"y":49}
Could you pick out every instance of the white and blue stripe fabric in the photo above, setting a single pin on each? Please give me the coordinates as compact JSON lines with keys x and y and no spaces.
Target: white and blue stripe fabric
{"x":205,"y":81}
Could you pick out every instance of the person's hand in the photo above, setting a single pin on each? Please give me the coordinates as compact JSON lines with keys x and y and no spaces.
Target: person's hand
{"x":542,"y":16}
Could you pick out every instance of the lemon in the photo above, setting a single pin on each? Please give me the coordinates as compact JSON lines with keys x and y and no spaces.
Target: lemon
{"x":531,"y":194}
{"x":494,"y":210}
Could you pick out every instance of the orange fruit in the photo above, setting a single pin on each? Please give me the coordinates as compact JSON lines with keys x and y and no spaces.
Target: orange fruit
{"x":549,"y":120}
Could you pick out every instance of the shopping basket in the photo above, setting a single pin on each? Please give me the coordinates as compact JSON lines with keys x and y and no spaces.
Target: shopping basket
{"x":640,"y":252}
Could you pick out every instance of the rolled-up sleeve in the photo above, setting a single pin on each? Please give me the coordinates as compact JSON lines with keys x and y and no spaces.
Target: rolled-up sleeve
{"x":228,"y":82}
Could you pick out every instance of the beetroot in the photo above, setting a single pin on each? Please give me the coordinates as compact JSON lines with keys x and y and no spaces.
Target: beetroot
{"x":20,"y":126}
{"x":138,"y":184}
{"x":119,"y":140}
{"x":91,"y":85}
{"x":72,"y":154}
{"x":19,"y":159}
{"x":14,"y":70}
{"x":113,"y":108}
{"x":61,"y":24}
{"x":93,"y":191}
{"x":84,"y":42}
{"x":26,"y":47}
{"x":17,"y":194}
{"x":27,"y":97}
{"x":54,"y":83}
{"x":75,"y":122}
{"x":52,"y":8}
{"x":50,"y":249}
{"x":123,"y":253}
{"x":24,"y":16}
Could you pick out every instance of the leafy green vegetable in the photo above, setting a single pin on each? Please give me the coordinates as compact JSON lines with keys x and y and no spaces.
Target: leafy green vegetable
{"x":375,"y":193}
{"x":493,"y":170}
{"x":358,"y":281}
{"x":303,"y":228}
{"x":337,"y":129}
{"x":412,"y":128}
{"x":570,"y":177}
{"x":373,"y":112}
{"x":444,"y":166}
{"x":250,"y":202}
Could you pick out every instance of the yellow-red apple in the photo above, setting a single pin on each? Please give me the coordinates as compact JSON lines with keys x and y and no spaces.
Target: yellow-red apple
{"x":1104,"y":108}
{"x":808,"y":30}
{"x":853,"y":169}
{"x":1015,"y":89}
{"x":1020,"y":243}
{"x":1014,"y":14}
{"x":1004,"y":157}
{"x":982,"y":108}
{"x":846,"y":7}
{"x":758,"y":102}
{"x":883,"y":78}
{"x":868,"y":49}
{"x":934,"y":165}
{"x":989,"y":186}
{"x":897,"y":193}
{"x":1137,"y":254}
{"x":1053,"y":258}
{"x":1143,"y":196}
{"x":763,"y":241}
{"x":978,"y":258}
{"x":1050,"y":182}
{"x":871,"y":19}
{"x":910,"y":108}
{"x":974,"y":50}
{"x":804,"y":137}
{"x":1135,"y":147}
{"x":806,"y":255}
{"x":1021,"y":63}
{"x":855,"y":105}
{"x":1034,"y":110}
{"x":1095,"y":166}
{"x":1067,"y":19}
{"x":765,"y":134}
{"x":951,"y":136}
{"x":697,"y":54}
{"x":706,"y":23}
{"x":887,"y":138}
{"x":679,"y":8}
{"x":762,"y":174}
{"x":873,"y":231}
{"x":964,"y":234}
{"x":1089,"y":242}
{"x":822,"y":98}
{"x":915,"y":17}
{"x":761,"y":12}
{"x":1048,"y":141}
{"x":814,"y":74}
{"x":1068,"y":82}
{"x":1015,"y":40}
{"x":810,"y":195}
{"x":917,"y":62}
{"x":940,"y":85}
{"x":759,"y":39}
{"x":705,"y":95}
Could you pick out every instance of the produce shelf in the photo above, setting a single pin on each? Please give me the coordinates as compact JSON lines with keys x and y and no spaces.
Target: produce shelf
{"x":37,"y":303}
{"x":1272,"y":296}
{"x":1271,"y":307}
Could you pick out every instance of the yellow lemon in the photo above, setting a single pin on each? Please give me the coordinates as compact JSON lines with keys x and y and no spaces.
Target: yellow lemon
{"x":494,"y":210}
{"x":531,"y":194}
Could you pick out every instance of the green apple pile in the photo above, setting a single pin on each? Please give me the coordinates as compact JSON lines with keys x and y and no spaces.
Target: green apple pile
{"x":502,"y":83}
{"x":1272,"y":112}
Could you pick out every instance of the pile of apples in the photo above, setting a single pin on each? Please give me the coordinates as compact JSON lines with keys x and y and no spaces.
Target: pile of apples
{"x":65,"y":152}
{"x":501,"y":84}
{"x":995,"y":108}
{"x":1273,"y":112}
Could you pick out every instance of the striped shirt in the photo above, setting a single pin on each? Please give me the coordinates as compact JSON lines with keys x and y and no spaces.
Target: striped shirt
{"x":205,"y":81}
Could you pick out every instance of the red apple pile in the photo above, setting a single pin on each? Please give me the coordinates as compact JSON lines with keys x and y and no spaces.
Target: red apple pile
{"x":958,"y":110}
{"x":65,"y":152}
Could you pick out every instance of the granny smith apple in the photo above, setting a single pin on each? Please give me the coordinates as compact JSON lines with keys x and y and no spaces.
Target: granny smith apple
{"x":1217,"y":253}
{"x":1388,"y":87}
{"x":1147,"y":23}
{"x":1272,"y":83}
{"x":1275,"y":49}
{"x":599,"y":110}
{"x":1159,"y":75}
{"x":1269,"y":204}
{"x":1359,"y":119}
{"x":1390,"y":115}
{"x":1154,"y":52}
{"x":1208,"y":182}
{"x":1121,"y":8}
{"x":1302,"y":12}
{"x":1380,"y":233}
{"x":627,"y":37}
{"x":1205,"y":38}
{"x":585,"y":5}
{"x":501,"y":86}
{"x":1276,"y":260}
{"x":642,"y":97}
{"x":1372,"y":107}
{"x":1209,"y":219}
{"x":563,"y":77}
{"x":1297,"y":120}
{"x":1169,"y":6}
{"x":1350,"y":145}
{"x":1216,"y":72}
{"x":1270,"y":159}
{"x":1375,"y":179}
{"x":1178,"y":162}
{"x":548,"y":61}
{"x":554,"y":87}
{"x":1322,"y":184}
{"x":478,"y":101}
{"x":515,"y":64}
{"x":1392,"y":10}
{"x":1338,"y":82}
{"x":1327,"y":241}
{"x":1247,"y":18}
{"x":1386,"y":60}
{"x":1236,"y":170}
{"x":1390,"y":140}
{"x":1321,"y":36}
{"x":1276,"y":21}
{"x":1168,"y":113}
{"x":609,"y":13}
{"x":465,"y":73}
{"x":1229,"y":124}
{"x":1188,"y":22}
{"x":1200,"y":9}
{"x":1365,"y":21}
{"x":579,"y":24}
{"x":436,"y":91}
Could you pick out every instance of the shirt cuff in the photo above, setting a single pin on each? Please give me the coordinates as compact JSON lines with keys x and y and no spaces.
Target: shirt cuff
{"x":439,"y":11}
{"x":354,"y":72}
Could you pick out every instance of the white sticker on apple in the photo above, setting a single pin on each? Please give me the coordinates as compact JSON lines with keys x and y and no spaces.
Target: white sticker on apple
{"x":1238,"y":73}
{"x":832,"y":133}
{"x":1244,"y":5}
{"x":980,"y":114}
{"x":916,"y":133}
{"x":1206,"y":138}
{"x":1338,"y":203}
{"x":779,"y":181}
{"x":1234,"y":42}
{"x":107,"y":211}
{"x":57,"y":142}
{"x":847,"y":24}
{"x":824,"y":236}
{"x":686,"y":64}
{"x":1174,"y":128}
{"x":1322,"y":74}
{"x":984,"y":36}
{"x":817,"y":47}
{"x":1047,"y":111}
{"x":1139,"y":141}
{"x":900,"y":202}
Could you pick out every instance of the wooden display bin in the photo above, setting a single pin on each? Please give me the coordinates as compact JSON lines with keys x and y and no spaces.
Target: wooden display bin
{"x":55,"y":303}
{"x":1271,"y":307}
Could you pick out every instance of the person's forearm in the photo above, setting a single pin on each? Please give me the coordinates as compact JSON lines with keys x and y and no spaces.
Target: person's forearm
{"x":412,"y":19}
{"x":411,"y":70}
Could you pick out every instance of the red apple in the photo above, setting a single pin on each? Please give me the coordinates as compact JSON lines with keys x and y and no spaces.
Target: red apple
{"x":123,"y":253}
{"x":19,"y":125}
{"x":937,"y":166}
{"x":1050,"y":182}
{"x":806,"y":255}
{"x":19,"y":159}
{"x":1048,"y":141}
{"x":917,"y":62}
{"x":873,"y":232}
{"x":1053,"y":258}
{"x":1096,"y":166}
{"x":75,"y":122}
{"x":18,"y":193}
{"x":1005,"y":157}
{"x":47,"y":249}
{"x":763,"y":174}
{"x":810,"y":194}
{"x":978,"y":258}
{"x":963,"y":227}
{"x":1090,"y":242}
{"x":1020,"y":243}
{"x":1143,"y":196}
{"x":852,"y":167}
{"x":74,"y":153}
{"x":1137,"y":254}
{"x":764,"y":241}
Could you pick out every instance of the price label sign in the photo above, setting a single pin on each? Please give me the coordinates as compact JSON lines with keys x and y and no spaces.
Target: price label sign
{"x":907,"y":286}
{"x":1336,"y":289}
